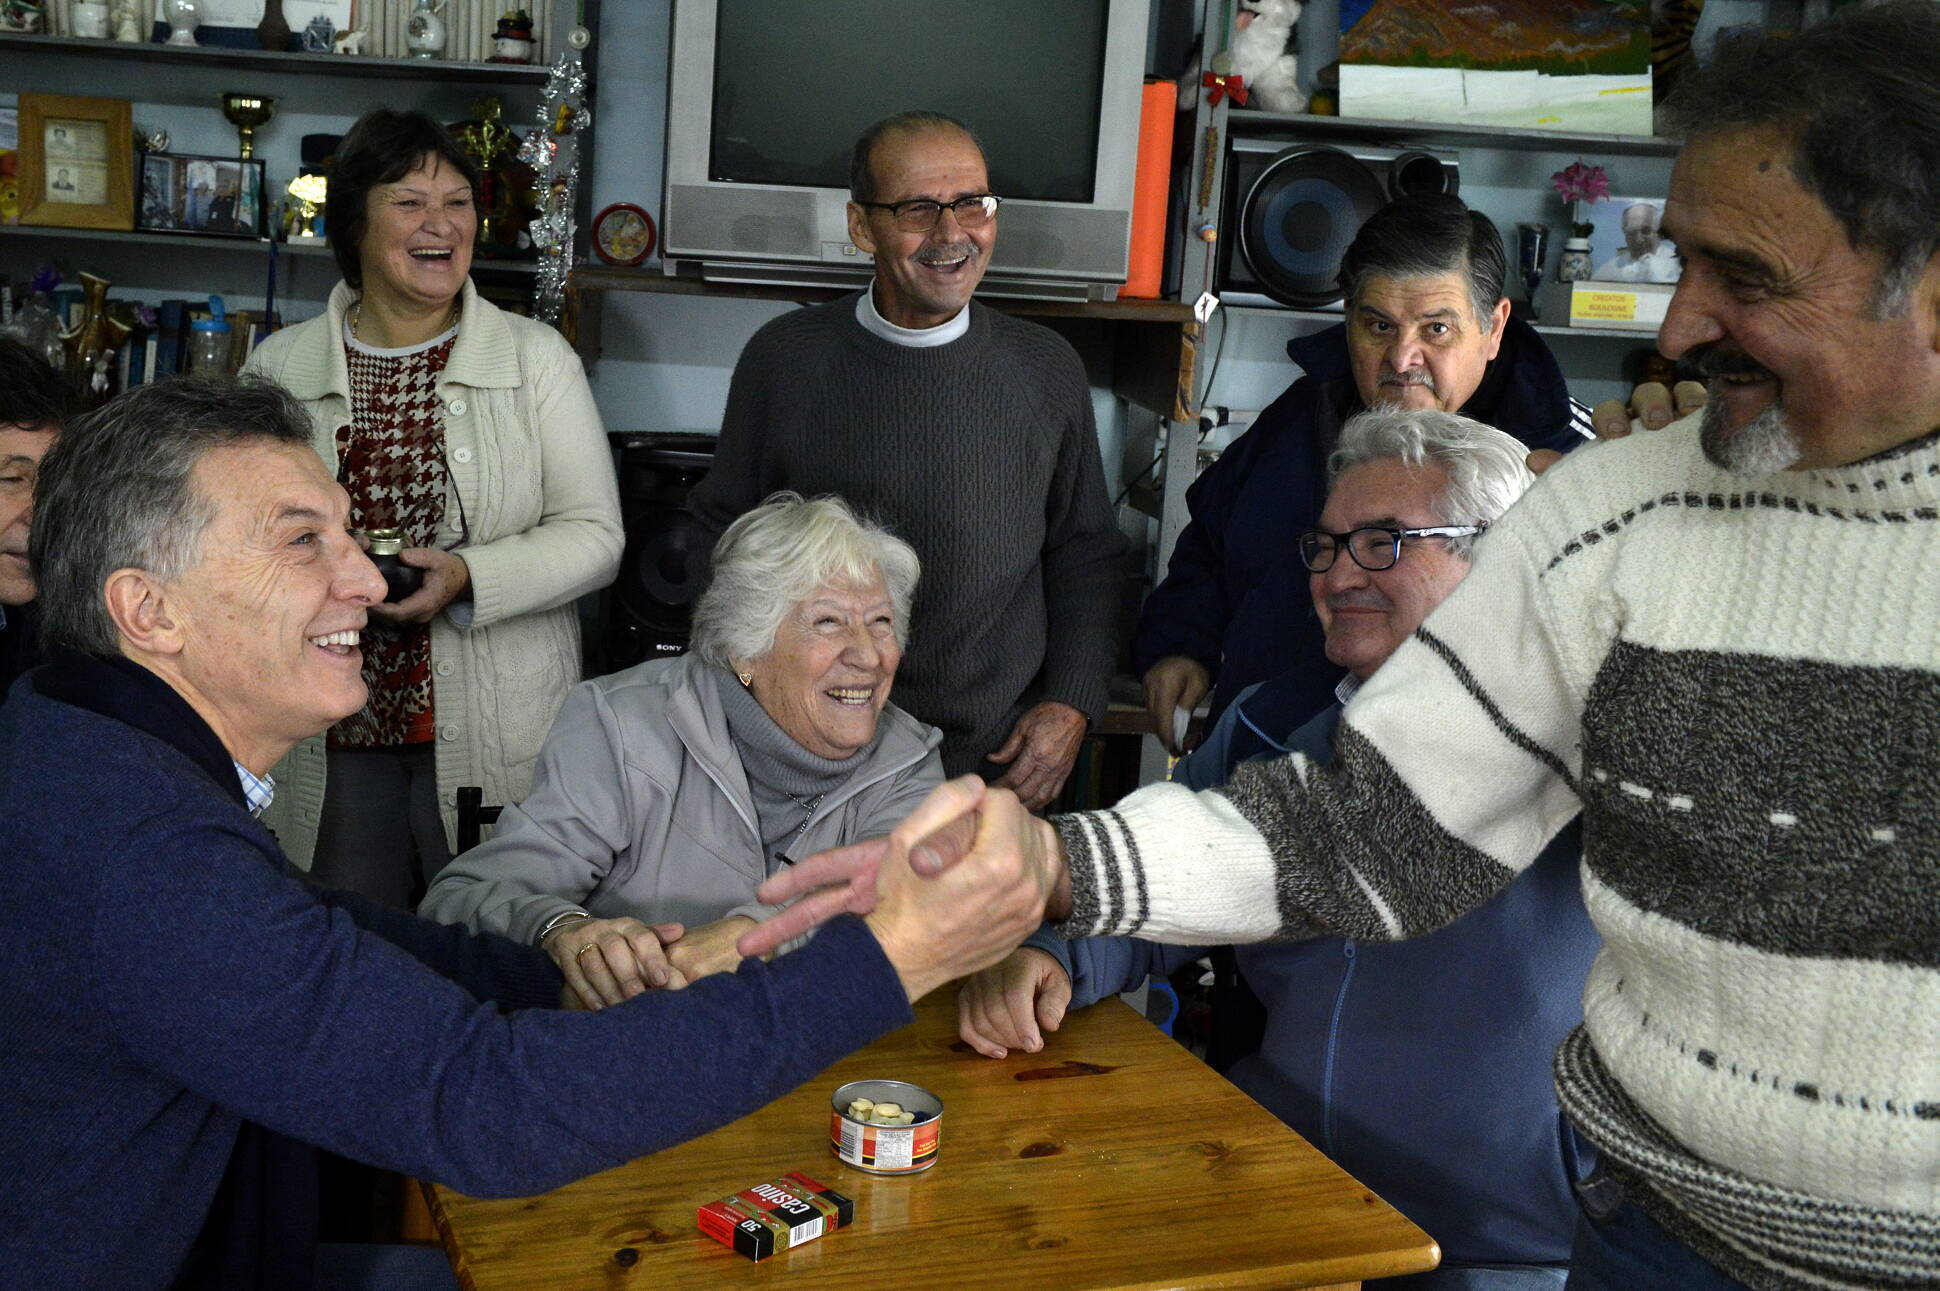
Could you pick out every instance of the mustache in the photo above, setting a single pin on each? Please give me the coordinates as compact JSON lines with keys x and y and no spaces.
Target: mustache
{"x":1359,"y":598}
{"x":1412,"y":377}
{"x":1714,"y":361}
{"x":965,"y":250}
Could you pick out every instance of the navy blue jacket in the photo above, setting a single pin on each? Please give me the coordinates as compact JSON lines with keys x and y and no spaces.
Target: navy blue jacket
{"x":1235,"y":596}
{"x":1422,"y":1067}
{"x":180,"y":1015}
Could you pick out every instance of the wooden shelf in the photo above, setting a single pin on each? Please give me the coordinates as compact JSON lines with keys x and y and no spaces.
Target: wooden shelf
{"x":305,"y":247}
{"x":222,"y":58}
{"x":1245,"y":121}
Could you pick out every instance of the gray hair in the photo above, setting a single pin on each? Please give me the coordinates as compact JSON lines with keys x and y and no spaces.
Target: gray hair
{"x":780,"y":554}
{"x":1426,"y":235}
{"x":1487,"y":468}
{"x":862,"y":175}
{"x":116,"y":492}
{"x":1856,"y":94}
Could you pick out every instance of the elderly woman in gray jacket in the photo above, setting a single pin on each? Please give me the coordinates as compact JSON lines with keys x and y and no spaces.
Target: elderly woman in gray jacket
{"x":665,"y":794}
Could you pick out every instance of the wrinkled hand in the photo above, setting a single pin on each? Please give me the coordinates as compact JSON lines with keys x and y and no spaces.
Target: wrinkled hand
{"x":1174,"y":682}
{"x":606,"y":961}
{"x":1041,"y":750}
{"x":842,"y":880}
{"x":934,"y":929}
{"x":1009,"y":1004}
{"x":708,"y":949}
{"x":1652,"y":406}
{"x":446,"y":576}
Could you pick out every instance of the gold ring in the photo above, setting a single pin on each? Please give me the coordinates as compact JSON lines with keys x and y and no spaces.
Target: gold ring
{"x":591,"y":945}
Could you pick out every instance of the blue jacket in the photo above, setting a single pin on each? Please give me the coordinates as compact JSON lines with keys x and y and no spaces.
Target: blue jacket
{"x":1421,"y":1067}
{"x":180,"y":1015}
{"x":1235,"y":596}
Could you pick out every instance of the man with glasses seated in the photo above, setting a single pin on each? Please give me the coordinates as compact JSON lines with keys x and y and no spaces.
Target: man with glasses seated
{"x":1423,"y":1066}
{"x":1427,"y":326}
{"x":969,"y":434}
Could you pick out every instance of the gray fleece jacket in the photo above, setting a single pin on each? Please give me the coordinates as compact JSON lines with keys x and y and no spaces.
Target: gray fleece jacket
{"x":639,"y":806}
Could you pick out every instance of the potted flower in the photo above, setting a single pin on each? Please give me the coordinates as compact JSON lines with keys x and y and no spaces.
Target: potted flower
{"x":1577,"y":183}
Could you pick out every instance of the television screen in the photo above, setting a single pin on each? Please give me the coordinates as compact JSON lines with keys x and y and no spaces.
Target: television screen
{"x":791,"y":96}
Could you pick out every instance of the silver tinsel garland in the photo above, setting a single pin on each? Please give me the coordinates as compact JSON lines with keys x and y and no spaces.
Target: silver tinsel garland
{"x":553,"y":152}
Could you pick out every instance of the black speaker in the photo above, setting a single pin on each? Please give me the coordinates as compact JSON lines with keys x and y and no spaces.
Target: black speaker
{"x":664,"y":567}
{"x":1292,"y":208}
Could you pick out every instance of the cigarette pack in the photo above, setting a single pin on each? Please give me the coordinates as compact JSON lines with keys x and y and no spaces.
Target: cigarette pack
{"x":776,"y":1215}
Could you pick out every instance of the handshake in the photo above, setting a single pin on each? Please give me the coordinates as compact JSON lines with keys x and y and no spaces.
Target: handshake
{"x":952,"y":890}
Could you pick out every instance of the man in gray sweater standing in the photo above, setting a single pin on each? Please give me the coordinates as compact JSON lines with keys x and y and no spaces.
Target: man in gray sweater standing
{"x":966,"y":431}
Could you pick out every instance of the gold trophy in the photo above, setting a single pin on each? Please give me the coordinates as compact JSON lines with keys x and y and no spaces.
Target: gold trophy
{"x":246,"y":112}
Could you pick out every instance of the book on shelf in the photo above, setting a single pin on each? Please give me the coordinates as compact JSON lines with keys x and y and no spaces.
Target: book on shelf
{"x":1624,"y":306}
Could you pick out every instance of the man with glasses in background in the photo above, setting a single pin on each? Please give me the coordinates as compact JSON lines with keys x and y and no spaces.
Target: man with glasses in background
{"x":1423,"y":1066}
{"x":966,"y":431}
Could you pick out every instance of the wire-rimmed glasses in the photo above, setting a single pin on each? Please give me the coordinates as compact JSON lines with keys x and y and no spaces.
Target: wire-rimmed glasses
{"x":920,"y":215}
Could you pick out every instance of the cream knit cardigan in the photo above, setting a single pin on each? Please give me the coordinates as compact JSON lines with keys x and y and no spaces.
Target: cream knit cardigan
{"x":530,"y":461}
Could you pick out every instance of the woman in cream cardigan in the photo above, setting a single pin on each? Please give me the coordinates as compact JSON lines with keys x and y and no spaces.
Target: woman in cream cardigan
{"x":472,"y":431}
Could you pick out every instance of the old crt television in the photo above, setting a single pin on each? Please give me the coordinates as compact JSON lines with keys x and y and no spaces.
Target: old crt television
{"x":765,"y":100}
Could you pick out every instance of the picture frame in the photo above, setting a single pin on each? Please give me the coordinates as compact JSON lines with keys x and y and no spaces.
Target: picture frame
{"x":1612,"y":258}
{"x":213,"y":196}
{"x":77,"y":161}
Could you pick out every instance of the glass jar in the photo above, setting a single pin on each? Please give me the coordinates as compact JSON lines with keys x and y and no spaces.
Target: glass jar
{"x":1574,"y":264}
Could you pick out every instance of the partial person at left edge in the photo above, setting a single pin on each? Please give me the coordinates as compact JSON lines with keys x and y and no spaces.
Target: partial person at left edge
{"x":33,"y":407}
{"x":472,"y":431}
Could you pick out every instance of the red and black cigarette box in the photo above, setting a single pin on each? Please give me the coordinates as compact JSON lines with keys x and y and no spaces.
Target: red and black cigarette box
{"x":776,"y":1215}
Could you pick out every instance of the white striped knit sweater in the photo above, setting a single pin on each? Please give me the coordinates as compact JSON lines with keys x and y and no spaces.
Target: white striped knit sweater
{"x":1738,"y":684}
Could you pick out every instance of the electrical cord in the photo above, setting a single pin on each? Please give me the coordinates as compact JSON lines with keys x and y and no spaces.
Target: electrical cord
{"x":1207,"y":424}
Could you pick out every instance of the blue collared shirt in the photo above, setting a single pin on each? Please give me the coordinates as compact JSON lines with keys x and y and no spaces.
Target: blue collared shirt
{"x":257,"y":791}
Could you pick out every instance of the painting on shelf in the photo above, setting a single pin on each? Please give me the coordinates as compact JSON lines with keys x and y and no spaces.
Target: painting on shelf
{"x":1576,"y":65}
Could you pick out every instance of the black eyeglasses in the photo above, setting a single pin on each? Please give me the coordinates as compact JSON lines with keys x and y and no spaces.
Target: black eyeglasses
{"x":1373,"y":547}
{"x":921,"y":215}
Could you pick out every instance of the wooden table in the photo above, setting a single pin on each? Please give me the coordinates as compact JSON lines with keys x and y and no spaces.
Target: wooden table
{"x":1114,"y":1158}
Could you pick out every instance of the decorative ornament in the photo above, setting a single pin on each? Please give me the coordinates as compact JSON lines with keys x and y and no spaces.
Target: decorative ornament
{"x":553,"y":152}
{"x":424,"y":30}
{"x":623,"y":234}
{"x":183,"y":16}
{"x":512,"y":40}
{"x":1576,"y":183}
{"x":94,"y":335}
{"x":246,"y":112}
{"x":273,"y":32}
{"x":1219,"y":85}
{"x":318,"y":36}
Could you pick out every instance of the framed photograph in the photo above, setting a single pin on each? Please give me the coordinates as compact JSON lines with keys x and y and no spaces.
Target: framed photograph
{"x":623,"y":234}
{"x":1625,"y":246}
{"x":215,"y":195}
{"x":77,"y":160}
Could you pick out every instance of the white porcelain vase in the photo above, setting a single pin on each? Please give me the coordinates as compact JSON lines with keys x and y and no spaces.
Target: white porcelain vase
{"x":424,"y":31}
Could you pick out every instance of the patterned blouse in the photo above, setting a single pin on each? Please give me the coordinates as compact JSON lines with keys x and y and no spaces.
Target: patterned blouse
{"x":391,"y":460}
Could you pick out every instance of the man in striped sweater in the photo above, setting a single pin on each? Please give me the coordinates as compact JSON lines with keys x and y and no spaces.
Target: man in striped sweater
{"x":1723,"y":656}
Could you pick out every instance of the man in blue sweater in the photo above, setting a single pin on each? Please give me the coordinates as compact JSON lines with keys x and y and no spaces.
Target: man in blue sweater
{"x":1427,"y":327}
{"x":1422,"y":1067}
{"x":182,"y":1018}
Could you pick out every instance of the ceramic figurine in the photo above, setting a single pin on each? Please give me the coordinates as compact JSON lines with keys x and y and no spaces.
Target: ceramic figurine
{"x":512,"y":42}
{"x":318,"y":35}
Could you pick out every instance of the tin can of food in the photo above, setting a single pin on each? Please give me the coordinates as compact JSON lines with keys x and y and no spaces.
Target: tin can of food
{"x":866,"y":1141}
